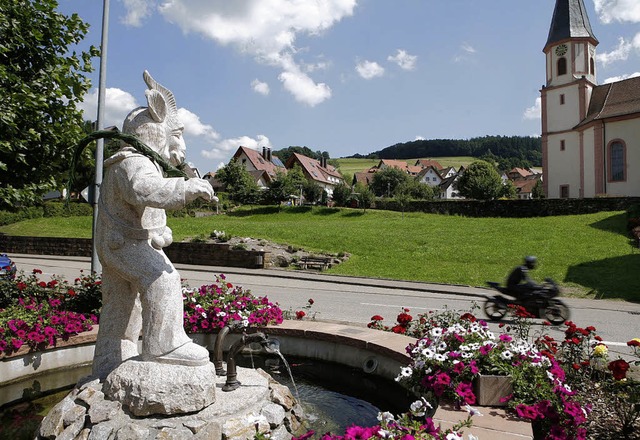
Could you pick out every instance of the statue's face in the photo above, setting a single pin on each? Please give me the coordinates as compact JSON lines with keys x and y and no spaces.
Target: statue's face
{"x":176,"y":148}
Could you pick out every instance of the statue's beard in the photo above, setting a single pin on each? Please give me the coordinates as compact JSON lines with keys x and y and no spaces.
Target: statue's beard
{"x":176,"y":157}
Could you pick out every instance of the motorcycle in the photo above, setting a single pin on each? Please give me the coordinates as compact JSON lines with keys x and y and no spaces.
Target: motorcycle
{"x":542,"y":303}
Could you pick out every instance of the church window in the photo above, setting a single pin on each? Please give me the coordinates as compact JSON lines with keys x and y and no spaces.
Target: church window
{"x":562,"y":66}
{"x":617,"y":159}
{"x":564,"y":191}
{"x":562,"y":145}
{"x":592,"y":66}
{"x":562,"y":99}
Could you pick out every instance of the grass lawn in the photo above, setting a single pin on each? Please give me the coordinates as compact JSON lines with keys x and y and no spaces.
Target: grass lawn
{"x":350,"y":165}
{"x":590,"y":255}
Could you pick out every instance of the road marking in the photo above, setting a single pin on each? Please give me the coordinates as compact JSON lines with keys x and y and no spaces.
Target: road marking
{"x":398,"y":307}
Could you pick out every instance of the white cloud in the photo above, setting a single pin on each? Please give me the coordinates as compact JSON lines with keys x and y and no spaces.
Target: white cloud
{"x":137,"y":11}
{"x":117,"y":105}
{"x":621,"y":53}
{"x":369,"y":69}
{"x":225,"y":147}
{"x":193,"y":127}
{"x":403,"y":59}
{"x":467,"y":48}
{"x":419,"y":138}
{"x":618,"y":10}
{"x":260,"y":87}
{"x":535,"y":111}
{"x":621,"y":77}
{"x":264,"y":29}
{"x":300,"y":85}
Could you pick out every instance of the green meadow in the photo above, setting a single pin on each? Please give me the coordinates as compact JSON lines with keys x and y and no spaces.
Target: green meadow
{"x":590,"y":255}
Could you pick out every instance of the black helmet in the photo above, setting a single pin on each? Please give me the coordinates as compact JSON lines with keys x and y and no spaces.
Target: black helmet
{"x":530,"y":261}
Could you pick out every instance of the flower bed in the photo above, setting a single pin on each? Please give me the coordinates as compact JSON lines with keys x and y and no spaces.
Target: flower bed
{"x":37,"y":313}
{"x":568,"y":389}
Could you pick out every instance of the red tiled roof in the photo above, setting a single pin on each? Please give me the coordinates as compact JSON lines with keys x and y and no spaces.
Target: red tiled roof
{"x":313,"y":169}
{"x":424,"y":163}
{"x":258,"y":162}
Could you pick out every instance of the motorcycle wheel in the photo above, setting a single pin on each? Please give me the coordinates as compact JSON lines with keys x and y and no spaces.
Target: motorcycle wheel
{"x":556,"y":312}
{"x":495,"y":309}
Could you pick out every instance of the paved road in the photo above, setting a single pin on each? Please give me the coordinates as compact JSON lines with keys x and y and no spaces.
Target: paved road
{"x":354,"y":300}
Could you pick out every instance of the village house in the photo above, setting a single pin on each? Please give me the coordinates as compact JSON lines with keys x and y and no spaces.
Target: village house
{"x":318,"y":171}
{"x":262,"y":167}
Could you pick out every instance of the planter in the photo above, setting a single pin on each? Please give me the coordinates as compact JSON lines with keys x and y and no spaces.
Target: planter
{"x":490,"y":389}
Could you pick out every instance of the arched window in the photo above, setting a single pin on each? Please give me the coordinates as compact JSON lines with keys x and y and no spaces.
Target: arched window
{"x":592,"y":66}
{"x":562,"y":66}
{"x":617,"y":159}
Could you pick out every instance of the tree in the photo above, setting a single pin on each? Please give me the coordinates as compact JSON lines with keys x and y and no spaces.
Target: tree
{"x":341,"y":194}
{"x":312,"y":191}
{"x":538,"y":191}
{"x":365,"y":196}
{"x":480,"y":181}
{"x":41,"y":82}
{"x":238,"y":183}
{"x":385,"y":181}
{"x":509,"y":190}
{"x":285,"y":185}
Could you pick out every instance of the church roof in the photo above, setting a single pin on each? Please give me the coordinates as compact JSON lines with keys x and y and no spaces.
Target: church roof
{"x":619,"y":98}
{"x":569,"y":20}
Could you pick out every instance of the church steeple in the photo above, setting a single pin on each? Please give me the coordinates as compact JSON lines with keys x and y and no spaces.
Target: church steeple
{"x":571,"y":46}
{"x":569,"y":21}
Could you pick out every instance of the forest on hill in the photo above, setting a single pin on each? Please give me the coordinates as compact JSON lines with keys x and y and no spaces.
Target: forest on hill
{"x":506,"y":151}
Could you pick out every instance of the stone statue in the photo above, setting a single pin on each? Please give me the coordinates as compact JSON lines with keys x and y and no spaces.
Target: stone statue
{"x":141,"y":289}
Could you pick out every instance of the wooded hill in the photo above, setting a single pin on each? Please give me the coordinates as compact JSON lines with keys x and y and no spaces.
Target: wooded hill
{"x":507,"y":151}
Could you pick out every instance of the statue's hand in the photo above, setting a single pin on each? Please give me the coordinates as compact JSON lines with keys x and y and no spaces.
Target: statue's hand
{"x":199,"y":188}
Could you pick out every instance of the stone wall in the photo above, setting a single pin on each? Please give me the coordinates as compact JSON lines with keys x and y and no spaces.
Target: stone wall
{"x":514,"y":208}
{"x":208,"y":254}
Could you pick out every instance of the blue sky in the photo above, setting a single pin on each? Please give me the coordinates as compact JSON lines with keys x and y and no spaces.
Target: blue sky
{"x":343,"y":76}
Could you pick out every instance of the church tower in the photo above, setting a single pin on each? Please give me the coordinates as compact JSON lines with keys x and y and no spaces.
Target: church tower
{"x":570,"y":78}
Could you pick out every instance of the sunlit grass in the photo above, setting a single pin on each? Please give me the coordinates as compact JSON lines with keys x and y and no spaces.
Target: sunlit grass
{"x":589,"y":254}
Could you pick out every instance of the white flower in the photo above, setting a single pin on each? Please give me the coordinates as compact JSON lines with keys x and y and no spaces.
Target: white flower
{"x":442,"y":346}
{"x":204,"y":315}
{"x":428,"y":353}
{"x":384,"y":434}
{"x":436,"y":332}
{"x":506,"y":355}
{"x":472,"y":411}
{"x":222,"y":314}
{"x":475,"y":328}
{"x":419,"y":407}
{"x":385,"y":417}
{"x":453,"y":436}
{"x":440,"y":357}
{"x":473,"y":437}
{"x":406,"y":372}
{"x":466,"y":355}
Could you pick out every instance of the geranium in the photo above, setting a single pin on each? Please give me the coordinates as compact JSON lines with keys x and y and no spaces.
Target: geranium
{"x":619,"y":368}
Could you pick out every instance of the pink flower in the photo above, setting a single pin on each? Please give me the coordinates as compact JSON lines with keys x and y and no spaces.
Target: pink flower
{"x":528,"y":412}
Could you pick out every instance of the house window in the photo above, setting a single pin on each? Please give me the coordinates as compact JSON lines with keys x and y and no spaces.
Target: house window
{"x":592,"y":66}
{"x":562,"y":145}
{"x":564,"y":191}
{"x":562,"y":99}
{"x":562,"y":66}
{"x":617,"y":159}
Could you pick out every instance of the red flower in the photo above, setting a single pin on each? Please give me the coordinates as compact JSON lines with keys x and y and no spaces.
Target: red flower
{"x":35,"y":271}
{"x":300,"y":314}
{"x":377,"y":318}
{"x":21,"y":285}
{"x":619,"y":368}
{"x":468,"y":317}
{"x":310,"y":301}
{"x":399,"y":329}
{"x":634,"y":343}
{"x":71,"y":292}
{"x":404,"y":318}
{"x":42,"y":284}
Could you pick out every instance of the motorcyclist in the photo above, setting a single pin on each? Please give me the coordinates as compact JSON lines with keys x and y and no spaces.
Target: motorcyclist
{"x":519,"y":284}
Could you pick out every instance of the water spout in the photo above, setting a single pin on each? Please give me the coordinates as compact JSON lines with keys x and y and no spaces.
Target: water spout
{"x":217,"y":351}
{"x":269,"y":346}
